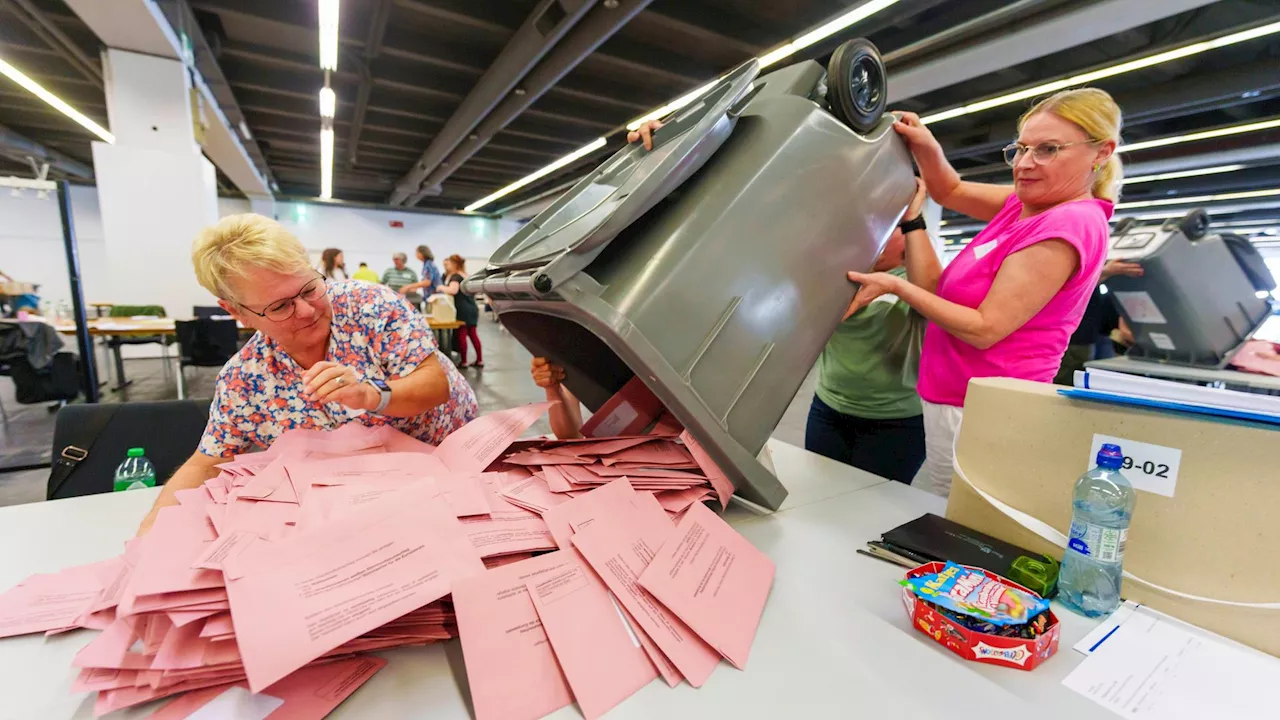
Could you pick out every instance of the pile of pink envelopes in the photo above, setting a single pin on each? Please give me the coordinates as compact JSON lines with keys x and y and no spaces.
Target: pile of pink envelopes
{"x":268,"y":580}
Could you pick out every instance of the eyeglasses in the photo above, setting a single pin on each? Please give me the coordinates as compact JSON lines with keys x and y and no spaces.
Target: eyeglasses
{"x":1042,"y":154}
{"x":282,"y":310}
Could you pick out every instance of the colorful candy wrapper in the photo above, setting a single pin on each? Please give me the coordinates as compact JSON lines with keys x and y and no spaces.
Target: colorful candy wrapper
{"x":972,"y":593}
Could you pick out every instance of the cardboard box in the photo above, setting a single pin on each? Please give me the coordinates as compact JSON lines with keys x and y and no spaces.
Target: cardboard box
{"x":1011,"y":652}
{"x":1215,"y":537}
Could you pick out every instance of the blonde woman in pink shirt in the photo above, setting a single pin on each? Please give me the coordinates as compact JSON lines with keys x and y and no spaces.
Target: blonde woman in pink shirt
{"x":1008,"y":303}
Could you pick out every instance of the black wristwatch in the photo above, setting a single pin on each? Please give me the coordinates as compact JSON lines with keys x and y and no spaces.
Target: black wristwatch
{"x":915,"y":223}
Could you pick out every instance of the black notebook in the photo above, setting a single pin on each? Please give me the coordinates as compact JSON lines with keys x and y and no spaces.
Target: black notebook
{"x":941,"y":539}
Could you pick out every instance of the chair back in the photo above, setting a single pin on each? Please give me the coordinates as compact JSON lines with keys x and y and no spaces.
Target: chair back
{"x":118,"y":311}
{"x":168,"y":430}
{"x":207,"y":311}
{"x":206,"y":342}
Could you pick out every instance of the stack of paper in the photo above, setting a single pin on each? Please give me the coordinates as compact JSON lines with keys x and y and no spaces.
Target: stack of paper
{"x":262,"y":585}
{"x":675,"y":469}
{"x":1123,"y":388}
{"x":630,"y":597}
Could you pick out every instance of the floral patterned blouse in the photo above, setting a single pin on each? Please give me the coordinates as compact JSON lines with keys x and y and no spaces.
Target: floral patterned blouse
{"x":376,"y":333}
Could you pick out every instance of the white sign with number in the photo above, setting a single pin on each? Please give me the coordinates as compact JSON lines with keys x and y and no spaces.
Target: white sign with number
{"x":1151,"y":468}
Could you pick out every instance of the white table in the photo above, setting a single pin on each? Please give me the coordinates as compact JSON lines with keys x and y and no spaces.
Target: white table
{"x":834,"y":640}
{"x":1231,"y":379}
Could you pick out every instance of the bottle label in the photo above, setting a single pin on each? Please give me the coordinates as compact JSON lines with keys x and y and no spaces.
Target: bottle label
{"x":1103,"y":544}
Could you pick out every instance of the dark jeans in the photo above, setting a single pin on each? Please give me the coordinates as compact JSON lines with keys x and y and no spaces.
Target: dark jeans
{"x":889,"y":448}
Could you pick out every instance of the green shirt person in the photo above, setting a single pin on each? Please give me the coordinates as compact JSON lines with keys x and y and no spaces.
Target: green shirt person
{"x":399,"y":274}
{"x":866,"y":412}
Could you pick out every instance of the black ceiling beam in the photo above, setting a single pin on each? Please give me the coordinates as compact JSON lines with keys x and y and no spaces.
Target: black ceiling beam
{"x":372,"y":47}
{"x":540,"y":32}
{"x":50,"y":33}
{"x":598,"y":26}
{"x":467,"y":13}
{"x":18,"y":146}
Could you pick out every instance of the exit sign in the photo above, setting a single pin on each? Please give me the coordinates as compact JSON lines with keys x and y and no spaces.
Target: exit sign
{"x":396,"y":223}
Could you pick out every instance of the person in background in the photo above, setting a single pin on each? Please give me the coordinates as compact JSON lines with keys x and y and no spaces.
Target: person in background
{"x":364,"y":274}
{"x":566,"y":417}
{"x":1007,"y":304}
{"x":398,"y":277}
{"x":455,"y":269}
{"x":865,"y":411}
{"x":332,"y":264}
{"x":326,"y":353}
{"x":1092,"y":339}
{"x":431,"y":278}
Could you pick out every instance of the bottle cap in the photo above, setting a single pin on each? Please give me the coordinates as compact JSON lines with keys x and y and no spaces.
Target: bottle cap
{"x":137,"y":452}
{"x":1110,"y":457}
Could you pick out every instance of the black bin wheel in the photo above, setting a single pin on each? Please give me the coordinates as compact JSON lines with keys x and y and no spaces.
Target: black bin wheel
{"x":856,"y":86}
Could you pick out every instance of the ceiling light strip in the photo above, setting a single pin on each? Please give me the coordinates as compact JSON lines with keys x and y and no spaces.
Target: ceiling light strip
{"x":1218,"y":170}
{"x":811,"y":37}
{"x":1106,"y":72}
{"x":1204,"y":135}
{"x":58,"y":103}
{"x":562,"y":162}
{"x":1199,"y":199}
{"x":329,"y":16}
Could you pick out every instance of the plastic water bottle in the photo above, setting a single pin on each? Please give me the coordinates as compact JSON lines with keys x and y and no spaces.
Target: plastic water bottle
{"x":135,"y":472}
{"x":1089,"y":583}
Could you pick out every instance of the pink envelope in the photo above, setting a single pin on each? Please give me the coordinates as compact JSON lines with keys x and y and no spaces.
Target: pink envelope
{"x":310,"y":693}
{"x":533,"y":494}
{"x":49,"y":602}
{"x":537,"y":458}
{"x":319,"y":589}
{"x":596,"y":647}
{"x":511,"y":669}
{"x":611,"y":498}
{"x":714,"y":580}
{"x":663,"y":452}
{"x":619,"y":550}
{"x":677,"y":500}
{"x":628,"y":412}
{"x":469,"y":449}
{"x":721,"y":482}
{"x":557,"y":481}
{"x":165,"y":556}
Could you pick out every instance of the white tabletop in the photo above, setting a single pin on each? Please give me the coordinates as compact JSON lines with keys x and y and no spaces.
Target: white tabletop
{"x":834,"y":640}
{"x":1233,"y":379}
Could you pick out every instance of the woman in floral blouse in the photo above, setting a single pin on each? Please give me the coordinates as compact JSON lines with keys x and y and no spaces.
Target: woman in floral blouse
{"x":326,"y":353}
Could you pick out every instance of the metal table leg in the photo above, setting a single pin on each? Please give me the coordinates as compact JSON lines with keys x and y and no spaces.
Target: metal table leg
{"x":121,"y":381}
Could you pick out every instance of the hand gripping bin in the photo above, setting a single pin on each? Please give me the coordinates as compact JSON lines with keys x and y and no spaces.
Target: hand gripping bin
{"x":1197,"y":300}
{"x":714,"y":266}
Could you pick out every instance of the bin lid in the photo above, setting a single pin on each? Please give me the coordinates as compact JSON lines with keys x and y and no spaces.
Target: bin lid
{"x":626,"y":186}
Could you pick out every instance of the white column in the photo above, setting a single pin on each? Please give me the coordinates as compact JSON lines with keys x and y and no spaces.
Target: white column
{"x":263,"y":205}
{"x":155,"y":188}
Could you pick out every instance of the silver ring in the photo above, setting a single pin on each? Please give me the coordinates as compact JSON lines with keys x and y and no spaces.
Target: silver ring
{"x":340,"y":380}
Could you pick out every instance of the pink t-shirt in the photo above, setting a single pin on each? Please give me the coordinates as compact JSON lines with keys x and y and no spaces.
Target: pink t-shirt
{"x":1033,"y":351}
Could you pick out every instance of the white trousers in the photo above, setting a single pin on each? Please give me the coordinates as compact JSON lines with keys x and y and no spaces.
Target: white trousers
{"x":941,"y":423}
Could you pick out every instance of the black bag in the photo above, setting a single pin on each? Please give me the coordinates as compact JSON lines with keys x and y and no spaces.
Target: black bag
{"x":59,"y":381}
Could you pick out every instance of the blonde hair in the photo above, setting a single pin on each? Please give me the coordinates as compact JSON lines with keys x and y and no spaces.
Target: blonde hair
{"x":235,"y":244}
{"x":1095,"y":112}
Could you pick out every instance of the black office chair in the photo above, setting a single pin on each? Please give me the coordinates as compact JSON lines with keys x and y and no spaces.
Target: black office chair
{"x":89,"y":441}
{"x":208,"y":311}
{"x":204,"y":343}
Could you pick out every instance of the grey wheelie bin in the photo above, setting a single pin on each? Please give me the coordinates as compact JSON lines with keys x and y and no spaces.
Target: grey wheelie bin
{"x":1201,"y":295}
{"x":713,"y":267}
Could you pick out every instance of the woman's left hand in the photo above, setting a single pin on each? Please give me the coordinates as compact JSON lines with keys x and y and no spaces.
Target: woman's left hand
{"x":872,"y":286}
{"x":328,"y":382}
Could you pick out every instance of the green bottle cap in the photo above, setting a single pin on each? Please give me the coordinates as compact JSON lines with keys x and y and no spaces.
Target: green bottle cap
{"x":137,"y":452}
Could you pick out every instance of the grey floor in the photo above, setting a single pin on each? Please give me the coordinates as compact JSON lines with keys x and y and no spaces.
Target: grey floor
{"x":504,"y":382}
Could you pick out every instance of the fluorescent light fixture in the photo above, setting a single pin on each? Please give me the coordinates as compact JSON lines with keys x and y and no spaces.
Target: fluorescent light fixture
{"x":672,"y":106}
{"x":1261,"y":294}
{"x":1106,"y":72}
{"x":328,"y":102}
{"x":244,"y":131}
{"x":1183,"y":174}
{"x":1247,"y":223}
{"x":1206,"y":135}
{"x":826,"y":30}
{"x":815,"y":35}
{"x":1197,"y":199}
{"x":326,"y":163}
{"x":956,"y":231}
{"x":567,"y":159}
{"x":329,"y":34}
{"x":58,"y":103}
